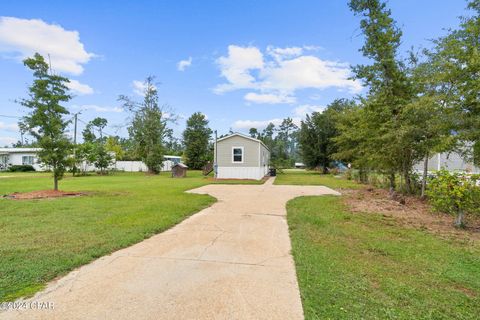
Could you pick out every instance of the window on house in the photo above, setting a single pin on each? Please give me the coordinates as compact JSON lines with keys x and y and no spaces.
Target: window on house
{"x":28,"y":160}
{"x":237,"y":154}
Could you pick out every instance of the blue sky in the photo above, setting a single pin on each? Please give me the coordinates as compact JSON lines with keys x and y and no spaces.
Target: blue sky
{"x":244,"y":62}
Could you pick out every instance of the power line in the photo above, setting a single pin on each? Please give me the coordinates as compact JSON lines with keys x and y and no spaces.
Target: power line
{"x":13,"y":117}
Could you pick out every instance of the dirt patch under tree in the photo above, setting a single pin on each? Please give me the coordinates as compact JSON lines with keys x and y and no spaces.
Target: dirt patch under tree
{"x":42,"y":194}
{"x":415,"y":213}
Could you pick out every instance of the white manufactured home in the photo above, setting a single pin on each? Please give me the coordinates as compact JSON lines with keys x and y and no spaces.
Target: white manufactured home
{"x":238,"y":156}
{"x":19,"y":156}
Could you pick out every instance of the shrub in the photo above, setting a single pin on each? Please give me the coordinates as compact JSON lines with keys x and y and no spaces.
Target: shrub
{"x":21,"y":168}
{"x":455,"y":194}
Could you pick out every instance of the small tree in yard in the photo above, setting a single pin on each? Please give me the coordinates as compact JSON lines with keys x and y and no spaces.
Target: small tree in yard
{"x":455,"y":194}
{"x":196,"y":137}
{"x":45,"y":121}
{"x":103,"y":158}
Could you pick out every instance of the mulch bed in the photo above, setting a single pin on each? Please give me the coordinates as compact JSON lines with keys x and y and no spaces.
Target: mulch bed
{"x":41,"y":194}
{"x":415,"y":213}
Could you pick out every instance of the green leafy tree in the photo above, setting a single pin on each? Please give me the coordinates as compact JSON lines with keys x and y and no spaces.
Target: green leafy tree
{"x":455,"y":194}
{"x":317,"y":133}
{"x":196,"y":139}
{"x":267,"y":136}
{"x":253,"y":132}
{"x":456,"y":59}
{"x":388,"y":146}
{"x":148,"y":127}
{"x":45,"y":121}
{"x":173,"y":145}
{"x":95,"y":126}
{"x":84,"y":156}
{"x":112,"y":144}
{"x":286,"y":141}
{"x":102,"y":158}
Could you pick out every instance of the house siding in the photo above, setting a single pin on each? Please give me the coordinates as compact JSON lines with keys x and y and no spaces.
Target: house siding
{"x":17,"y":159}
{"x":449,"y":161}
{"x":250,"y":152}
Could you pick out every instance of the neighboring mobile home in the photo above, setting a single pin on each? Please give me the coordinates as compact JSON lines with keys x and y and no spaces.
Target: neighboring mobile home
{"x":19,"y":156}
{"x":450,"y":161}
{"x":238,"y":156}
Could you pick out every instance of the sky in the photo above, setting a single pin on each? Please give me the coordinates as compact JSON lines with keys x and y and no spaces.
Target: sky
{"x":241,"y":63}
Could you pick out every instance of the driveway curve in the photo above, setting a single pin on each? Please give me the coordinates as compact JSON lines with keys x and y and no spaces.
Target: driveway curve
{"x":229,"y":261}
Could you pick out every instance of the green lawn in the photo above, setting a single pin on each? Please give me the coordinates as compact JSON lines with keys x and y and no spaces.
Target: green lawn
{"x":42,"y":239}
{"x":304,"y":177}
{"x":369,"y":266}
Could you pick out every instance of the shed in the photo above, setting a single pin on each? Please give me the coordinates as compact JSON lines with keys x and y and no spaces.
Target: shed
{"x":238,"y":156}
{"x":179,"y":170}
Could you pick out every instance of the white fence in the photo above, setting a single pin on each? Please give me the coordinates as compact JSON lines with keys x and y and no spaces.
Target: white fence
{"x":139,"y":166}
{"x":128,"y":166}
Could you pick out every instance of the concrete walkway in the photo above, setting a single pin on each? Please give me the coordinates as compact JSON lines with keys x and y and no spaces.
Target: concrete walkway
{"x":229,"y":261}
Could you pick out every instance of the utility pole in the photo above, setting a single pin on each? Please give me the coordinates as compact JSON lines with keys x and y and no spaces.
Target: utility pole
{"x":75,"y":143}
{"x":215,"y":164}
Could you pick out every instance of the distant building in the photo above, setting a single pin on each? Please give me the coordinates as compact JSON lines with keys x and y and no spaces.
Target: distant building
{"x":29,"y":156}
{"x":450,"y":161}
{"x":238,"y":156}
{"x":19,"y":156}
{"x":300,"y":165}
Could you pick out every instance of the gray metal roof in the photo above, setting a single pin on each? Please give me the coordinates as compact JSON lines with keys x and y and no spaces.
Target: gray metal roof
{"x":181,"y":165}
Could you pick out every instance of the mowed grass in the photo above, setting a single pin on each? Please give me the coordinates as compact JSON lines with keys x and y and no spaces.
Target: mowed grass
{"x":305,"y":177}
{"x":42,"y":239}
{"x":368,"y":266}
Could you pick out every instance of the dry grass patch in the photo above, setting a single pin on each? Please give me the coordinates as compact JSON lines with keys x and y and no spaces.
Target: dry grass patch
{"x":415,"y":213}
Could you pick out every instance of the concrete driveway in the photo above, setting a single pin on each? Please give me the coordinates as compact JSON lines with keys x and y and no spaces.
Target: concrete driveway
{"x":229,"y":261}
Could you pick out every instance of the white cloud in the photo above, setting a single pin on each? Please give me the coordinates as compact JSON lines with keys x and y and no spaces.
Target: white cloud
{"x":298,"y":114}
{"x":98,"y":108}
{"x":268,"y":98}
{"x":24,"y":37}
{"x":139,"y":87}
{"x":7,"y":141}
{"x":183,"y":64}
{"x":281,"y":72}
{"x":259,"y":124}
{"x":284,"y":53}
{"x":236,"y":68}
{"x":80,"y":88}
{"x":13,"y":127}
{"x":303,"y":110}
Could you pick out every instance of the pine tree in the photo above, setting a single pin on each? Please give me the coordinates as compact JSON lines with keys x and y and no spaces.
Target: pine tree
{"x":196,"y":139}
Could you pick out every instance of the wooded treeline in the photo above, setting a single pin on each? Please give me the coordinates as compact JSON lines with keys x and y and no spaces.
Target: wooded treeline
{"x":417,"y":103}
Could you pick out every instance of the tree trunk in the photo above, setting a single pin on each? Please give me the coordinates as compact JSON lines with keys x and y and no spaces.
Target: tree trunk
{"x":362,"y":176}
{"x":55,"y":182}
{"x":391,"y":178}
{"x":459,"y":223}
{"x":424,"y":178}
{"x":408,"y":181}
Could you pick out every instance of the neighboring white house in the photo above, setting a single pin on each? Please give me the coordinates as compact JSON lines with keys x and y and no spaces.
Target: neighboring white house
{"x":238,"y":156}
{"x":450,"y":161}
{"x":19,"y":156}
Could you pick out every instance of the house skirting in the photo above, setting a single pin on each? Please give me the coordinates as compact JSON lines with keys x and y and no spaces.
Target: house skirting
{"x":256,"y":173}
